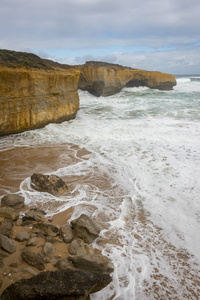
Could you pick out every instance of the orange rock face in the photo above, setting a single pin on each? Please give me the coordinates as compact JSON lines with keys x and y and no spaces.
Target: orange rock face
{"x":31,"y":98}
{"x":103,"y":79}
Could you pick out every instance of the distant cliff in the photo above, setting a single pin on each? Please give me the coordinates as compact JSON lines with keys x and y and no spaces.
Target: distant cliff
{"x":104,"y":79}
{"x":35,"y":92}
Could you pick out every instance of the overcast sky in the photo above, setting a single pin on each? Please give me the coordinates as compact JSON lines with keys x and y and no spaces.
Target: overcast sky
{"x":152,"y":35}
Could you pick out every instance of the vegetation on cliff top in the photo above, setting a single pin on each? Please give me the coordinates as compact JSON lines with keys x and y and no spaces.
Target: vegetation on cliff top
{"x":14,"y":59}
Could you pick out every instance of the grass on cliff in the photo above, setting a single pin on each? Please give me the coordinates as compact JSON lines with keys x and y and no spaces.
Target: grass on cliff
{"x":14,"y":59}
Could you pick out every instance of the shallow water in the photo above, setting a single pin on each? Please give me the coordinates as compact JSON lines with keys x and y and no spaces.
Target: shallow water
{"x":140,"y":180}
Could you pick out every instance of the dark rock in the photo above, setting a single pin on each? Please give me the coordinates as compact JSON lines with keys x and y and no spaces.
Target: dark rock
{"x":33,"y":241}
{"x":66,"y":233}
{"x":6,"y":227}
{"x":13,"y":200}
{"x":46,"y":229}
{"x":48,"y":183}
{"x":77,"y":247}
{"x":22,"y":236}
{"x":33,"y":259}
{"x":7,"y":244}
{"x":9,"y":212}
{"x":85,"y":228}
{"x":48,"y":249}
{"x":92,"y":262}
{"x":34,"y":215}
{"x":57,"y":285}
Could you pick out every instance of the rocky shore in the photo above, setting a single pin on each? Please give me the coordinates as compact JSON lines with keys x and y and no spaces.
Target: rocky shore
{"x":39,"y":260}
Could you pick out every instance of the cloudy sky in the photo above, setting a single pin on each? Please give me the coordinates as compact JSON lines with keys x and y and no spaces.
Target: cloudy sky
{"x":152,"y":35}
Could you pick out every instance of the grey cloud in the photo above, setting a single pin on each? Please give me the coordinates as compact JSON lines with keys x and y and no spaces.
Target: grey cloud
{"x":43,"y":25}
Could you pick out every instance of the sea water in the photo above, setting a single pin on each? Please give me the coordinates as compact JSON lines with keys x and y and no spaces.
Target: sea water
{"x":146,"y":145}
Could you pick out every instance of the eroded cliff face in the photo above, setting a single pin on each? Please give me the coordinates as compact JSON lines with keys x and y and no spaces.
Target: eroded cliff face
{"x":32,"y":98}
{"x":35,"y":92}
{"x":103,"y":79}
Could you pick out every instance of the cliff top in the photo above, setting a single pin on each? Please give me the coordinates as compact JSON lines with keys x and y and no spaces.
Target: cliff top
{"x":96,"y":64}
{"x":14,"y":59}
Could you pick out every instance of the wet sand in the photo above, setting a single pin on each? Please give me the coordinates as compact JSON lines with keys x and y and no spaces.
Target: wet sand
{"x":16,"y":165}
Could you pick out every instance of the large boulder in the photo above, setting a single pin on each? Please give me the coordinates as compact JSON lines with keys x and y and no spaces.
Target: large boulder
{"x":85,"y":228}
{"x":48,"y":183}
{"x":13,"y":200}
{"x":92,"y":262}
{"x":57,"y":285}
{"x":7,"y":244}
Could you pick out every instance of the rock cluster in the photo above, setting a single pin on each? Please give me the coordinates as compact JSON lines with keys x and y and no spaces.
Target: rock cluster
{"x":42,"y":272}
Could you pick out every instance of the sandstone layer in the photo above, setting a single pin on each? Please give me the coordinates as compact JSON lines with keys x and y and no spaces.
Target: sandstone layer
{"x":33,"y":93}
{"x":104,"y":79}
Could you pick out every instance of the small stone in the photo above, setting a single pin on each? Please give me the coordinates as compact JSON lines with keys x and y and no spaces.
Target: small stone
{"x":19,"y":222}
{"x":46,"y":229}
{"x":48,"y":249}
{"x":23,"y":236}
{"x":33,"y":259}
{"x":77,"y":247}
{"x":52,"y":240}
{"x":41,"y":235}
{"x":64,"y":264}
{"x":66,"y":233}
{"x":9,"y":212}
{"x":33,"y":241}
{"x":29,"y":271}
{"x":6,"y":227}
{"x":13,"y":200}
{"x":34,"y":214}
{"x":8,"y":244}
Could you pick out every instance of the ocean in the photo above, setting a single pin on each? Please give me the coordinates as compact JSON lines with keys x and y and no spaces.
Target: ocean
{"x":134,"y":168}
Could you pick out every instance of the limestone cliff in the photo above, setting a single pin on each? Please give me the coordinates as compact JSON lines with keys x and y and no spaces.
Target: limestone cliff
{"x":104,"y":79}
{"x":35,"y":92}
